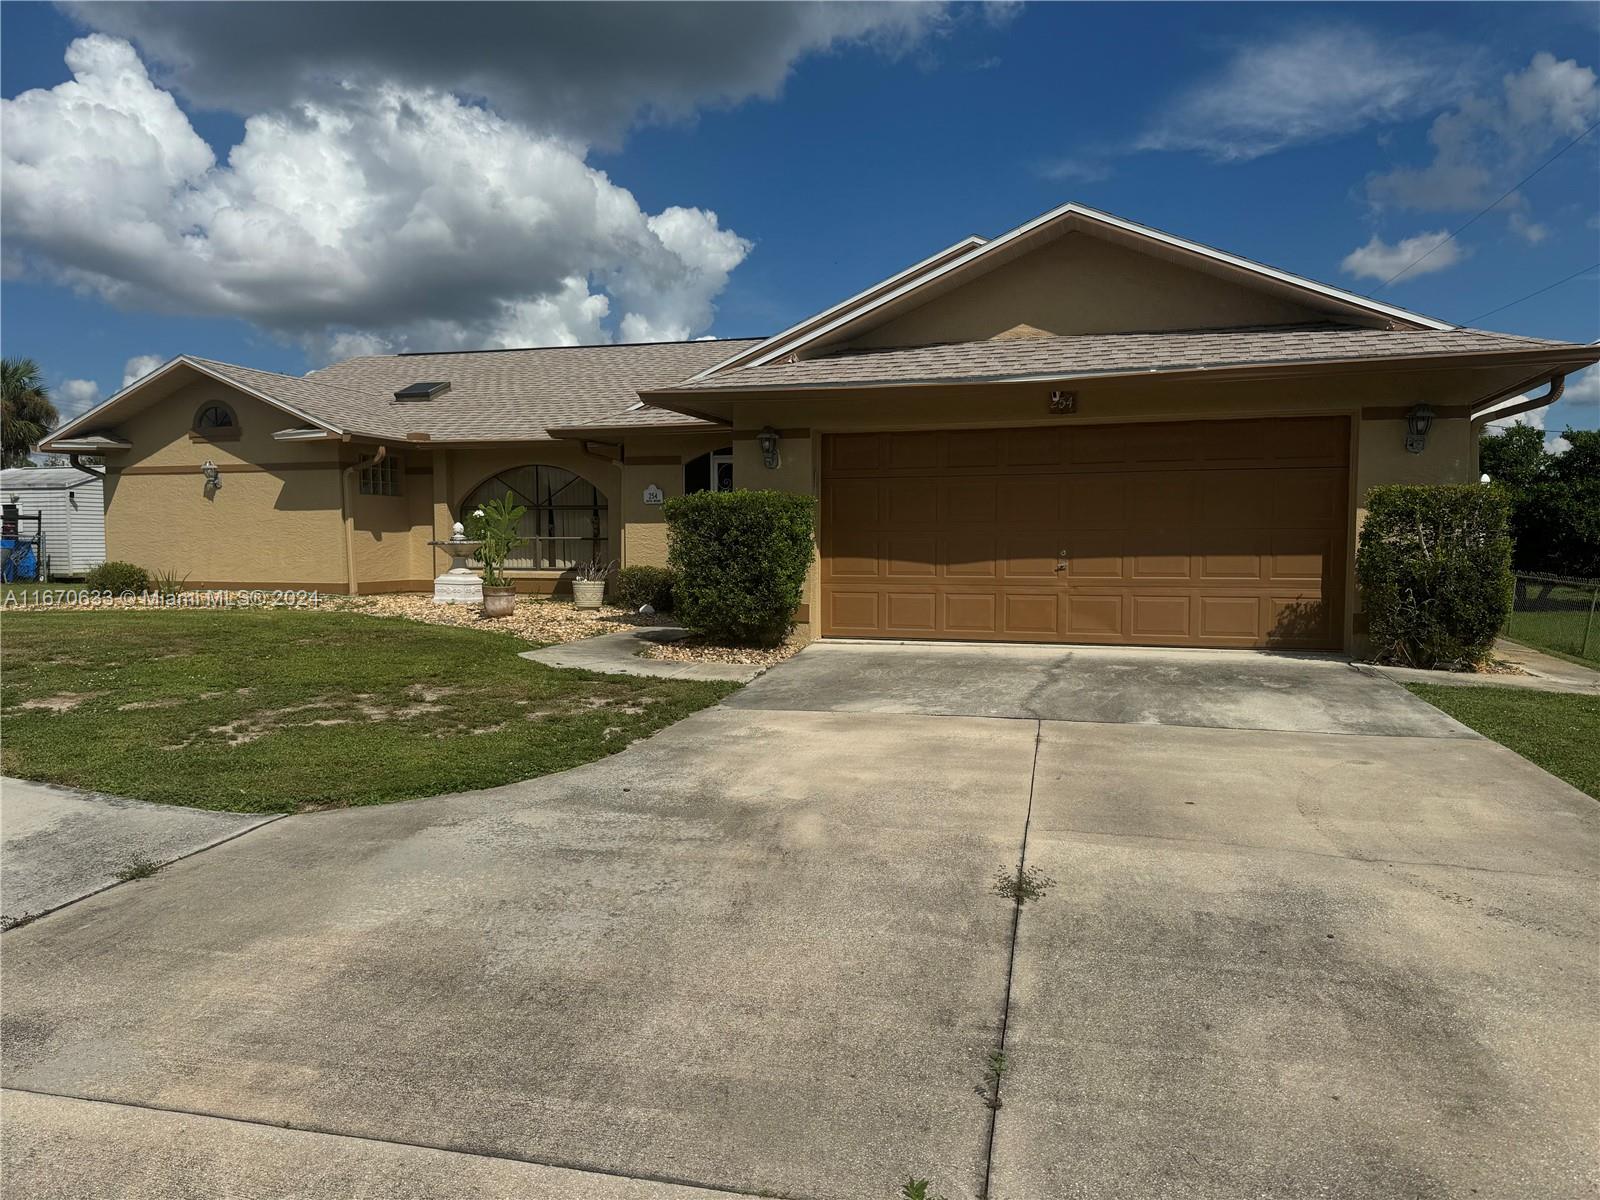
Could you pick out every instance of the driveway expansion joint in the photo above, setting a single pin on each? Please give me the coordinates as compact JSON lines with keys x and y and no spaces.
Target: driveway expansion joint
{"x":502,"y":1156}
{"x":995,"y":1101}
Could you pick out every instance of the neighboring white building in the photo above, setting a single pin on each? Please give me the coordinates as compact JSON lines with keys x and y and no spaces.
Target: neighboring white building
{"x":72,"y":509}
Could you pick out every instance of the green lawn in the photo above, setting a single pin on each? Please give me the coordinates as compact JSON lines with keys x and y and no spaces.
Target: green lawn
{"x":1555,"y":620}
{"x":277,"y":711}
{"x":1559,"y":732}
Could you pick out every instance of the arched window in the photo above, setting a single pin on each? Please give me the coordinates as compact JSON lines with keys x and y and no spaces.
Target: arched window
{"x":213,"y":418}
{"x":566,"y":519}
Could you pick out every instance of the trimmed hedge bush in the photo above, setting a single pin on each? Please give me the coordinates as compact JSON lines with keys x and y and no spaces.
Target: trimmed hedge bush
{"x":634,"y":587}
{"x":741,"y":560}
{"x":117,"y":577}
{"x":1434,"y":569}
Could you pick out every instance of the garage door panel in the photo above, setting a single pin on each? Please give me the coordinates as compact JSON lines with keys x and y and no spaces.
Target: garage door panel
{"x":969,"y":502}
{"x":915,"y":451}
{"x":910,"y":503}
{"x":1230,"y":618}
{"x":1094,"y":556}
{"x":1029,"y":554}
{"x":854,"y":612}
{"x":1095,"y":616}
{"x":1161,"y":616}
{"x":1162,"y":499}
{"x":911,"y":612}
{"x":911,"y":555}
{"x":1030,"y":615}
{"x":856,"y":452}
{"x":971,"y":612}
{"x":973,"y":448}
{"x":1175,"y":534}
{"x":1298,"y":620}
{"x":1307,"y":497}
{"x":1097,"y":501}
{"x":1032,"y":447}
{"x":1031,"y":502}
{"x":970,"y":556}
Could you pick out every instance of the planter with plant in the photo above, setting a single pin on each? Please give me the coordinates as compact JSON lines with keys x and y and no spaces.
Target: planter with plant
{"x":495,"y":524}
{"x":589,"y":582}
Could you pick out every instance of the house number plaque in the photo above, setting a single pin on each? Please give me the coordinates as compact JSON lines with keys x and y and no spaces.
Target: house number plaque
{"x":1063,"y":402}
{"x":653,"y":494}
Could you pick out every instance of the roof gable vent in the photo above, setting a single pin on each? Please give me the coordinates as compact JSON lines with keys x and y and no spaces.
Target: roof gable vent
{"x":423,"y":391}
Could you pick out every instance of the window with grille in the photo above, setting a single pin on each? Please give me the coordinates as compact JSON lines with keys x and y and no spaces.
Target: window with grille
{"x":566,"y":519}
{"x":381,"y":478}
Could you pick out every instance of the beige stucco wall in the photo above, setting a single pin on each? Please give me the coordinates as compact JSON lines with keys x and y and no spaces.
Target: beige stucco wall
{"x":655,"y":459}
{"x":1082,"y":284}
{"x":275,"y":520}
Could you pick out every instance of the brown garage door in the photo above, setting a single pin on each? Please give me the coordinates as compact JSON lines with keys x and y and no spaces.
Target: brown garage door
{"x":1213,"y":533}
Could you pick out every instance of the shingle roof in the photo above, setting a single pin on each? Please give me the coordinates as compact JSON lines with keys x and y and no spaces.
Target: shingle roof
{"x":503,"y":395}
{"x":1085,"y":355}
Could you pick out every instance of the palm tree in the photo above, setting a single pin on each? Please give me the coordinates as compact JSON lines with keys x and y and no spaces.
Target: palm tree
{"x":27,"y":414}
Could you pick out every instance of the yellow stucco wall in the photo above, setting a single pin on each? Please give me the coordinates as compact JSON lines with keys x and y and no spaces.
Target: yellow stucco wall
{"x":277,"y":525}
{"x":1082,"y":284}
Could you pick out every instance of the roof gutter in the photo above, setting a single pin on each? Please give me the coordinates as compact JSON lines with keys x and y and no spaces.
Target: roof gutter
{"x":76,"y":459}
{"x":1558,"y":385}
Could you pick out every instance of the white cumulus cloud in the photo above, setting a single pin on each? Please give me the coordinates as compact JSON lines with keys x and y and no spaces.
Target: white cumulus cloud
{"x":1484,"y":143}
{"x":1305,"y":86}
{"x":140,"y":365}
{"x":1380,"y":260}
{"x":76,"y":396}
{"x":385,"y":216}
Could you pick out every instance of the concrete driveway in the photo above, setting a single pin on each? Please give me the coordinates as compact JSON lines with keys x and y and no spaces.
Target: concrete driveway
{"x":1307,"y":938}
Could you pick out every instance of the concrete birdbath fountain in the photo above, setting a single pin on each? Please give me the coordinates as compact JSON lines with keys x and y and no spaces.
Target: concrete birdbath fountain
{"x":460,"y":584}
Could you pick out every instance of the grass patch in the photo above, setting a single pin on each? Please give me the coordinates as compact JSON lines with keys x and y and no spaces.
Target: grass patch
{"x":139,"y":868}
{"x":1554,"y":619}
{"x":287,"y":710}
{"x":1559,"y":732}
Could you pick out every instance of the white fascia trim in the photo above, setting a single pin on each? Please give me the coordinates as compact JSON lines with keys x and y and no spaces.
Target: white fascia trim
{"x":304,"y":435}
{"x":1067,"y":210}
{"x":89,"y":445}
{"x":165,"y":368}
{"x":965,"y":245}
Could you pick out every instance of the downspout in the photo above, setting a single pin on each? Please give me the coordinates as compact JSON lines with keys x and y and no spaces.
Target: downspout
{"x":1558,"y":384}
{"x":348,"y":501}
{"x":76,"y":461}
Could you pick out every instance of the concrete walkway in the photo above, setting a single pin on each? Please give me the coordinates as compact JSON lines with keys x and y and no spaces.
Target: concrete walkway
{"x":619,"y":654}
{"x":59,"y":844}
{"x":1545,"y":673}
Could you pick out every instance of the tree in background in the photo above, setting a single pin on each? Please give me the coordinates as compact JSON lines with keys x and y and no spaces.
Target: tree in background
{"x":1555,"y":498}
{"x":27,"y":415}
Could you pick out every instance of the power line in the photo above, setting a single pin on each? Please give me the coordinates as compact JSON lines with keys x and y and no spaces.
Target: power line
{"x":1591,"y":267}
{"x":1452,"y":236}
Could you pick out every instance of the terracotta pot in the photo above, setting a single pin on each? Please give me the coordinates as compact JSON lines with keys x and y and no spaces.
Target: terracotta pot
{"x":588,"y":593}
{"x":499,"y":601}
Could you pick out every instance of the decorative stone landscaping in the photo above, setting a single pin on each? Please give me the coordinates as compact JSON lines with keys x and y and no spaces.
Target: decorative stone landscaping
{"x":697,"y":650}
{"x":538,"y":619}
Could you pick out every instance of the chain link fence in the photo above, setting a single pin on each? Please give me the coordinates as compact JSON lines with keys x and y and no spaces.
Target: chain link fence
{"x":1554,"y":612}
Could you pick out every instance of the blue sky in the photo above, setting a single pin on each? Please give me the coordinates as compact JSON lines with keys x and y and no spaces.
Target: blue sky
{"x":840,"y":146}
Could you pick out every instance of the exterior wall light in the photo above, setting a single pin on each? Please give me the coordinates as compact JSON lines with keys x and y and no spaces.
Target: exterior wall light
{"x":767,"y":439}
{"x":1418,"y":421}
{"x":212,"y":474}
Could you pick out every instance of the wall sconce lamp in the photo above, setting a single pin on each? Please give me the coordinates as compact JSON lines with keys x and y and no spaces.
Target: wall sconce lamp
{"x":1418,"y":421}
{"x":212,"y":474}
{"x":767,"y":439}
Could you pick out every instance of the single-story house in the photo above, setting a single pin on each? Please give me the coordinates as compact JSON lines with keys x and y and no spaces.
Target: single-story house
{"x":1084,"y":430}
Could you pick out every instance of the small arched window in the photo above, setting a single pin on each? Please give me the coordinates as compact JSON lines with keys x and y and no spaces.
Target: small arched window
{"x":215,"y":421}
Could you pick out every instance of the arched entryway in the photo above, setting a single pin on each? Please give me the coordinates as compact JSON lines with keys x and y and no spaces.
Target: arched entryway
{"x":566,"y":521}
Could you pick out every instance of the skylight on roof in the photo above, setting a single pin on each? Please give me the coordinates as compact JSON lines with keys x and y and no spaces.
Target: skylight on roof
{"x":423,"y":391}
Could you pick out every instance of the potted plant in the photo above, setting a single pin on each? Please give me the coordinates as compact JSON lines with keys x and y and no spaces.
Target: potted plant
{"x":494,"y":523}
{"x":589,"y":582}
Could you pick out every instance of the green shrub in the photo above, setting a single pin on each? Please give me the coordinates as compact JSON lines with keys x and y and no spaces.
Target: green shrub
{"x":637,"y":586}
{"x":740,"y":560}
{"x":117,"y":577}
{"x":1434,"y":568}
